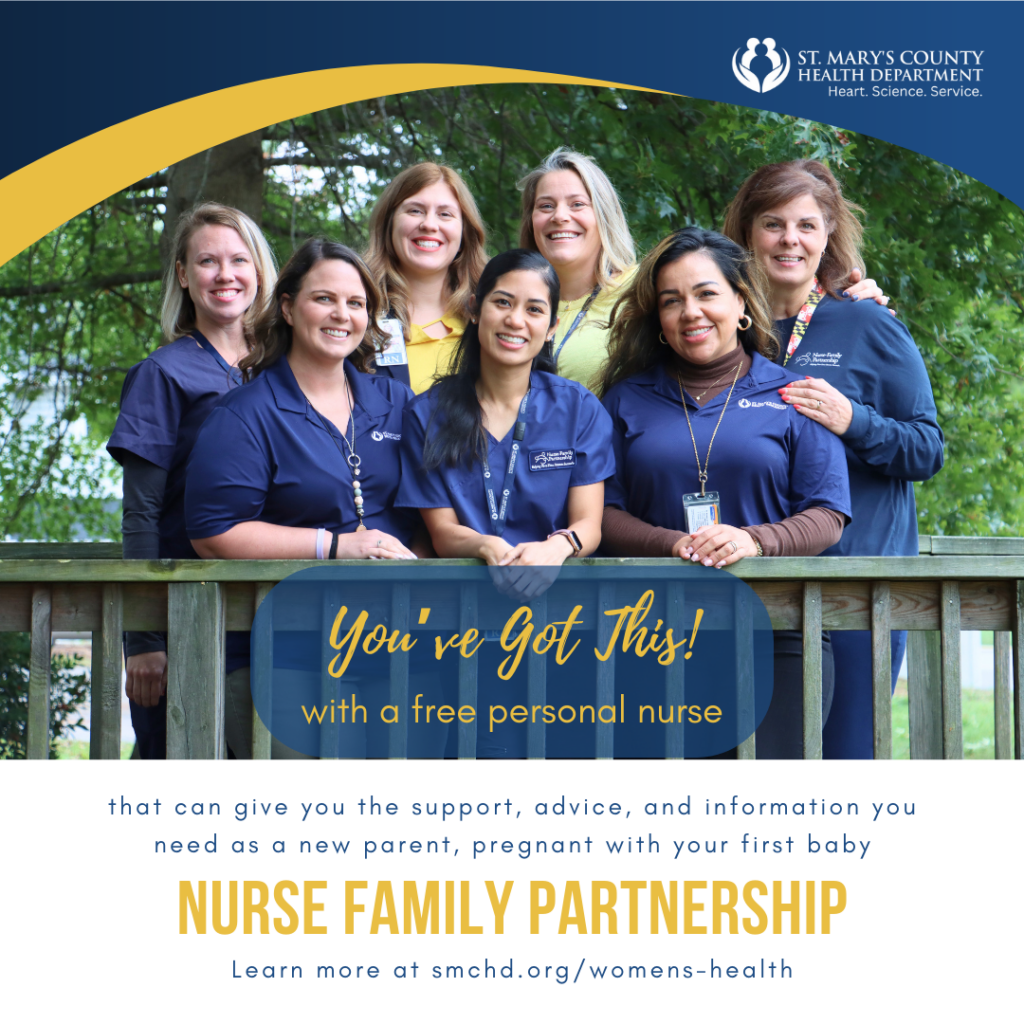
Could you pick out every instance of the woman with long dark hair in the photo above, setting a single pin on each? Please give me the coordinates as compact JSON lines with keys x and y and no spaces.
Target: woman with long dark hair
{"x":712,"y":466}
{"x":860,"y":376}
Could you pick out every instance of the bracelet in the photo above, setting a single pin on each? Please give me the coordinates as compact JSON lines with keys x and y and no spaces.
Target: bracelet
{"x":333,"y":553}
{"x":760,"y":550}
{"x":320,"y":543}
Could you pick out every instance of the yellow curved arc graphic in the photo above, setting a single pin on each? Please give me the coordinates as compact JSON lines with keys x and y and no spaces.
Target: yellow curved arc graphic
{"x":37,"y":198}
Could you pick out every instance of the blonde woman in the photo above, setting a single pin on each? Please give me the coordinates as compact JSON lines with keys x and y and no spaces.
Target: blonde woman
{"x":571,"y":214}
{"x":217,"y":283}
{"x":426,"y":254}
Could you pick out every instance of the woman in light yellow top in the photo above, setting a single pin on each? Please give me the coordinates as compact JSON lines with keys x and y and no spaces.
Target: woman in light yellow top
{"x":572,"y":216}
{"x":426,"y":253}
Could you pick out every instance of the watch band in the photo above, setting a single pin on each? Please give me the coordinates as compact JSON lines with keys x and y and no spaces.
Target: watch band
{"x":572,"y":538}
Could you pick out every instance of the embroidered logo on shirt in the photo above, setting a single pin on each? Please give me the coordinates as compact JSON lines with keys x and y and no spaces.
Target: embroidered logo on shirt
{"x":559,"y":458}
{"x":746,"y":403}
{"x":385,"y":435}
{"x":818,"y":359}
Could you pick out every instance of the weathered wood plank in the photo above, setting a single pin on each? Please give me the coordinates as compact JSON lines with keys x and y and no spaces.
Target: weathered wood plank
{"x":924,"y":683}
{"x":37,"y":740}
{"x":974,"y":546}
{"x":952,"y":719}
{"x":468,"y":676}
{"x":881,"y":670}
{"x":195,"y":678}
{"x":262,"y":675}
{"x":935,"y":567}
{"x":1002,"y":695}
{"x":605,"y":672}
{"x":743,"y":627}
{"x":1017,"y":656}
{"x":675,"y":674}
{"x":537,"y":685}
{"x":86,"y":549}
{"x":105,"y":724}
{"x":812,"y":671}
{"x":398,"y":735}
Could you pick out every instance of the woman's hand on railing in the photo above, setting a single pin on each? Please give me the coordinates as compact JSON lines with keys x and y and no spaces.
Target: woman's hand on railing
{"x":719,"y":546}
{"x":146,"y":678}
{"x":371,"y":544}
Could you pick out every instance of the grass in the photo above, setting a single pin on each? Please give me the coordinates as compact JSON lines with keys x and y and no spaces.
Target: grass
{"x":978,"y":717}
{"x":78,"y":750}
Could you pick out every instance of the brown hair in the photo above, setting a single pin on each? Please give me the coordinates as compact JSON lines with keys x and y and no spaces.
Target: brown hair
{"x":273,"y":334}
{"x":635,"y":321}
{"x":463,"y":272}
{"x":178,"y":312}
{"x":778,"y":184}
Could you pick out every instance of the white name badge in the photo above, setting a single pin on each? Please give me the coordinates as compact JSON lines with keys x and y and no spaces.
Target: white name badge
{"x":393,"y":353}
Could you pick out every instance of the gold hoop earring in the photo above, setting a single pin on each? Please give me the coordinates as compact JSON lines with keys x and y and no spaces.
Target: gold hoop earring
{"x":661,"y":338}
{"x":745,"y":326}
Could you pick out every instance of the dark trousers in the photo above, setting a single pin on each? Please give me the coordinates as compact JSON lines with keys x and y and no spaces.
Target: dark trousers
{"x":850,"y":732}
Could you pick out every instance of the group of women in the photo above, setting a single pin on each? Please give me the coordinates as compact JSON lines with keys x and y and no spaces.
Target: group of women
{"x":727,"y":397}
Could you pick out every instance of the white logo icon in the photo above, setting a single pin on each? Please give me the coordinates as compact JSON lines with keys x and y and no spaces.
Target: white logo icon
{"x":377,"y":436}
{"x":742,"y":71}
{"x":744,"y":403}
{"x":803,"y":360}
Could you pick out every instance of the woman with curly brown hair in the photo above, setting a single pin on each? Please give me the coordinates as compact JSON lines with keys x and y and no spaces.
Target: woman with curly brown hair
{"x":711,"y":466}
{"x":861,"y":377}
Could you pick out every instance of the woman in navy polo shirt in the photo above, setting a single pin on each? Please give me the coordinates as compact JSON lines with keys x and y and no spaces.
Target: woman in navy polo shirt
{"x":217,"y":283}
{"x":313,"y":442}
{"x":693,"y":397}
{"x":860,"y":376}
{"x":506,"y":461}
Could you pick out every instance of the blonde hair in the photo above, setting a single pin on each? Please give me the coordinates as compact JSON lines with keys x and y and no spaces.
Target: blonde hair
{"x":178,"y":312}
{"x":463,"y":272}
{"x":775,"y":185}
{"x":618,"y":253}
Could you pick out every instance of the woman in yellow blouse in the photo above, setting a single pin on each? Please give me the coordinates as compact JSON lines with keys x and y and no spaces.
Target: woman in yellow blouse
{"x":571,"y":214}
{"x":426,"y":253}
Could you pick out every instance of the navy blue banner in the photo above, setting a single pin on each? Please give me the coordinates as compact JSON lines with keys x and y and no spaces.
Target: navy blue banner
{"x":941,"y":79}
{"x":429,"y":661}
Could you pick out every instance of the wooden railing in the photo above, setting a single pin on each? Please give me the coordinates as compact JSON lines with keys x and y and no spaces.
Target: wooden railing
{"x":962,"y":584}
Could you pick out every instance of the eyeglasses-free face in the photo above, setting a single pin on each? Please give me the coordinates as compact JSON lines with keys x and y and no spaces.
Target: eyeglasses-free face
{"x":219,"y":274}
{"x":426,"y":230}
{"x":328,"y":316}
{"x":789,"y":241}
{"x":515,"y":319}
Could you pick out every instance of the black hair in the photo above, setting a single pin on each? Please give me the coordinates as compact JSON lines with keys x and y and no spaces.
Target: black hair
{"x":455,"y":432}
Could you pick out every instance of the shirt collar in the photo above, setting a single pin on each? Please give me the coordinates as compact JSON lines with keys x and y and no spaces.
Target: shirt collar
{"x":762,"y":373}
{"x":370,"y":401}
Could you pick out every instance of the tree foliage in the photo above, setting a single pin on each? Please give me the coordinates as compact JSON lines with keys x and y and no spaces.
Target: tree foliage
{"x":81,"y":305}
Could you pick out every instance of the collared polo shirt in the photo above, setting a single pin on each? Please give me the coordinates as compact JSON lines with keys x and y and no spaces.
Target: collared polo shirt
{"x":767,"y":462}
{"x":567,"y":444}
{"x":265,"y":454}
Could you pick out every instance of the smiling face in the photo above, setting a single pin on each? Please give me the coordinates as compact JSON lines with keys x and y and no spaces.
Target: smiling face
{"x":698,"y":309}
{"x":564,"y":222}
{"x":328,"y":315}
{"x":789,"y":241}
{"x":426,"y":231}
{"x":515,"y":319}
{"x":219,"y":275}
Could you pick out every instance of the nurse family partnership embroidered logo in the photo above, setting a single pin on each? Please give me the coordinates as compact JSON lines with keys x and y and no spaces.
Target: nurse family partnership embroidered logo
{"x":746,"y":403}
{"x":819,"y":359}
{"x":385,"y":435}
{"x":741,"y":65}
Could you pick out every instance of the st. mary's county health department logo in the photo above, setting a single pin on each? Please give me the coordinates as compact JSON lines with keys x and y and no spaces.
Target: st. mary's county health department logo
{"x":742,"y":60}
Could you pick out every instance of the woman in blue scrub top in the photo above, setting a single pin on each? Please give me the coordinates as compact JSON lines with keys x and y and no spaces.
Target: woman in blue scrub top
{"x":506,"y":461}
{"x":860,"y":376}
{"x":313,"y":440}
{"x":217,"y":283}
{"x":693,"y":396}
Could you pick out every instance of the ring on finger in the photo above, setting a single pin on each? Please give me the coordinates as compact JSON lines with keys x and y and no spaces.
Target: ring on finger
{"x":735,"y":546}
{"x":819,"y":403}
{"x":380,"y":541}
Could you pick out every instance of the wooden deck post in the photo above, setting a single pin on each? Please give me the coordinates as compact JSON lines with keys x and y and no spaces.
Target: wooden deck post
{"x":952,"y":717}
{"x":37,"y":738}
{"x":1017,"y":659}
{"x":195,"y":678}
{"x":468,"y":676}
{"x":107,"y":664}
{"x":398,"y":735}
{"x":881,"y":669}
{"x":812,"y":670}
{"x":605,"y":688}
{"x":746,"y":691}
{"x":924,"y":691}
{"x":675,"y":674}
{"x":262,"y":674}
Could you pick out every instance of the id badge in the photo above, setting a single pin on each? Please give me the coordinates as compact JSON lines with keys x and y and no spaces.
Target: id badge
{"x":701,"y":510}
{"x":393,"y":353}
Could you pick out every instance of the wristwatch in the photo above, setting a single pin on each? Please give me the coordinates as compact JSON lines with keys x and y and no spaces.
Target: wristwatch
{"x":572,"y":538}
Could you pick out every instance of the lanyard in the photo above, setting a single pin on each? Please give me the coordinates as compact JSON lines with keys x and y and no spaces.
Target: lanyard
{"x":233,"y":372}
{"x":702,"y":474}
{"x":803,"y":319}
{"x":579,"y":319}
{"x":499,"y":514}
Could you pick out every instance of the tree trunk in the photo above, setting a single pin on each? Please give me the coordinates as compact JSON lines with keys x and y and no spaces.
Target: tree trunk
{"x":231,"y":173}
